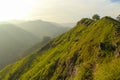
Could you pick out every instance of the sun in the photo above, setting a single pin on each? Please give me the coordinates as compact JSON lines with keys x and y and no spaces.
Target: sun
{"x":14,"y":9}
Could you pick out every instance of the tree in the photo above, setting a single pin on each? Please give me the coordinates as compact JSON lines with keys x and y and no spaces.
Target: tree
{"x":118,"y":17}
{"x":46,"y":39}
{"x":95,"y":17}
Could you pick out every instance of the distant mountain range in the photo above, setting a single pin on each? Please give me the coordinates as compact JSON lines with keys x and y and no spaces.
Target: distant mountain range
{"x":14,"y":40}
{"x":17,"y":37}
{"x":42,"y":28}
{"x":68,"y":24}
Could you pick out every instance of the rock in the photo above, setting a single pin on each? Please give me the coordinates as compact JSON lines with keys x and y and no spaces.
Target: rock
{"x":117,"y":55}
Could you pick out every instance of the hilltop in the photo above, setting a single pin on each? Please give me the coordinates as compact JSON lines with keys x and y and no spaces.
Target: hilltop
{"x":89,"y":51}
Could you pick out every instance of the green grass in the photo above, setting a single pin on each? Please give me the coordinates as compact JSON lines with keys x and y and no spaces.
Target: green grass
{"x":108,"y":71}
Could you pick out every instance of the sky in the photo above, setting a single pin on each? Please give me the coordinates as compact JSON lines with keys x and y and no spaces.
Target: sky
{"x":60,"y":11}
{"x":115,"y":0}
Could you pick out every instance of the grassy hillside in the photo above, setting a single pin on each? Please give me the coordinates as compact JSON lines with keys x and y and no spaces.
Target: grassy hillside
{"x":89,"y":51}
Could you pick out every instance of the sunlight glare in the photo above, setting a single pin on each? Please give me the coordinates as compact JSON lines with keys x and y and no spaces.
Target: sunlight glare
{"x":14,"y":9}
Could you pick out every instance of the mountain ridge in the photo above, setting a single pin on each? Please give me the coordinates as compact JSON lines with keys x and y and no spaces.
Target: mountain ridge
{"x":85,"y":52}
{"x":43,"y":28}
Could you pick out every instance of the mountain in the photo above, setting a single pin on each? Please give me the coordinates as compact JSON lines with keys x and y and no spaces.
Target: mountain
{"x":89,"y":51}
{"x":68,"y":24}
{"x":14,"y":40}
{"x":19,"y":37}
{"x":43,"y":28}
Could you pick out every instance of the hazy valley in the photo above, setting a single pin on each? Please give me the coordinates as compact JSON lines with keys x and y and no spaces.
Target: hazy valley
{"x":17,"y":38}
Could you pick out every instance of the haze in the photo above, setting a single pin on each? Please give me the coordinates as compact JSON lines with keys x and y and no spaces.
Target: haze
{"x":61,"y":11}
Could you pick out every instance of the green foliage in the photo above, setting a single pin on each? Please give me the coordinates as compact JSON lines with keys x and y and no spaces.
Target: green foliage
{"x":95,"y":17}
{"x":86,"y":52}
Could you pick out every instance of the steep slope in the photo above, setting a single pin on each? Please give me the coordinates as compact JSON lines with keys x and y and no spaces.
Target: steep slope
{"x":14,"y":40}
{"x":89,"y":51}
{"x":43,"y":28}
